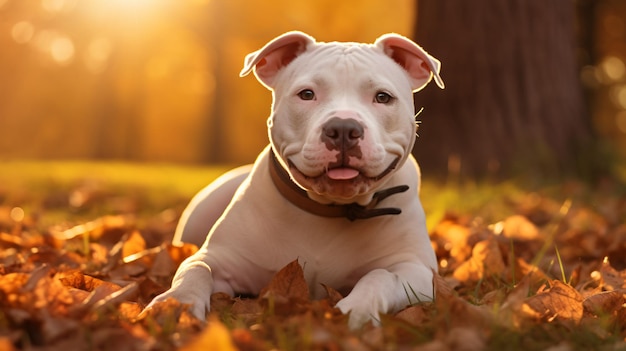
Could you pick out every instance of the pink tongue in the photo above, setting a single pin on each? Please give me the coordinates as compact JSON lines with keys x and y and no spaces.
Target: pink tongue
{"x":342,"y":173}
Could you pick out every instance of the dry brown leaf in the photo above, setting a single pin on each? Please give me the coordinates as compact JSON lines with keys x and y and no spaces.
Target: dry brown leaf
{"x":610,"y":278}
{"x":36,"y":275}
{"x":55,"y":328}
{"x":78,"y":280}
{"x":214,"y":337}
{"x":99,"y":254}
{"x":287,"y":293}
{"x":6,"y":344}
{"x":179,"y":253}
{"x":164,"y":312}
{"x":127,"y":293}
{"x":513,"y":311}
{"x":11,"y":284}
{"x":460,"y":313}
{"x":527,"y":286}
{"x":129,"y":310}
{"x":414,"y":315}
{"x":247,"y":309}
{"x":144,"y":257}
{"x":10,"y":240}
{"x":524,"y":270}
{"x":133,"y":244}
{"x":486,"y":261}
{"x":333,"y":296}
{"x":560,"y":301}
{"x":221,"y":301}
{"x":604,"y":303}
{"x":520,"y":228}
{"x":465,"y":339}
{"x":163,"y":265}
{"x":112,"y":227}
{"x":288,"y":283}
{"x":455,"y":239}
{"x":244,"y":339}
{"x":442,"y":287}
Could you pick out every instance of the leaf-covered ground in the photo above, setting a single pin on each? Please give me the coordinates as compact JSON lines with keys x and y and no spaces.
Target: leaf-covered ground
{"x":520,"y":270}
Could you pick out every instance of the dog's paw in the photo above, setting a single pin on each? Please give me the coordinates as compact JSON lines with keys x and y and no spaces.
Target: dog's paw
{"x":359,"y":312}
{"x":199,"y":306}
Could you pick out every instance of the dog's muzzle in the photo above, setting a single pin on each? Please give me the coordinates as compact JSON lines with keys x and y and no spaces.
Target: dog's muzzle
{"x":298,"y":196}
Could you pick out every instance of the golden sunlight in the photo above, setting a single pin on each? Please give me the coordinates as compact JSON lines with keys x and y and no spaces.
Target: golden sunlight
{"x":55,"y":6}
{"x":62,"y":49}
{"x":22,"y":32}
{"x":97,"y":54}
{"x":133,"y":5}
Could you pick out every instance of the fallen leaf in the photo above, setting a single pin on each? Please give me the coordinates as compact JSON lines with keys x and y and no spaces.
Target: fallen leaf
{"x":454,"y":239}
{"x":486,"y":261}
{"x":214,"y":337}
{"x":288,"y":283}
{"x":465,"y":339}
{"x":414,"y":315}
{"x":611,"y":279}
{"x":78,"y":280}
{"x":163,"y":265}
{"x":333,"y":295}
{"x":133,"y":244}
{"x":127,"y":293}
{"x":6,"y":344}
{"x":518,"y":227}
{"x":560,"y":301}
{"x":604,"y":303}
{"x":178,"y":253}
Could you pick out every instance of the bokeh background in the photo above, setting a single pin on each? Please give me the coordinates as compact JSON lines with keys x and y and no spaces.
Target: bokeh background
{"x":157,"y":80}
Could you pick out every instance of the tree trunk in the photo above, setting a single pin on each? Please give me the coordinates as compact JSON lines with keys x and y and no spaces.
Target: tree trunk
{"x":513,"y":100}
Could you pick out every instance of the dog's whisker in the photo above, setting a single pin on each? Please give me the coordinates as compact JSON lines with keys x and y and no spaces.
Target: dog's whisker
{"x":418,"y":113}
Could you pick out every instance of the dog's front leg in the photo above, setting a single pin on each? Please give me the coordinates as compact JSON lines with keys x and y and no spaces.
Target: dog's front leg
{"x":387,"y":291}
{"x":193,"y":285}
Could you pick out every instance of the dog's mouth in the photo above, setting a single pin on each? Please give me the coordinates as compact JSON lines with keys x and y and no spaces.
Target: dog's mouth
{"x":343,"y":173}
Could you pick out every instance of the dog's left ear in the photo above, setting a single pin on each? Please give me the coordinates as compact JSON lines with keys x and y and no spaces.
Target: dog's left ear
{"x":416,"y":61}
{"x":276,"y":54}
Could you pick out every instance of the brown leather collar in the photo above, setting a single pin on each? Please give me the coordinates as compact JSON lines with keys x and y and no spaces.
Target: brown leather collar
{"x":298,"y":196}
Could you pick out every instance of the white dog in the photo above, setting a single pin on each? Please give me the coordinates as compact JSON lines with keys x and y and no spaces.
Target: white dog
{"x":337,"y":188}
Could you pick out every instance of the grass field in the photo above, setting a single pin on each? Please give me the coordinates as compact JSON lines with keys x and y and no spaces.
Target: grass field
{"x":164,"y":185}
{"x":523,"y":267}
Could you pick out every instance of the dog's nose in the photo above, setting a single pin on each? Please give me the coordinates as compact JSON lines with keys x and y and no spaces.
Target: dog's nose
{"x":341,"y":133}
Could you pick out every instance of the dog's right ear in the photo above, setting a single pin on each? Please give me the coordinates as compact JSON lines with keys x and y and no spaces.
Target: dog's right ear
{"x":275,"y":55}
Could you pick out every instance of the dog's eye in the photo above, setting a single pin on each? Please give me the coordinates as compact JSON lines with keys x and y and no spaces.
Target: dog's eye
{"x":306,"y":94}
{"x":383,"y":98}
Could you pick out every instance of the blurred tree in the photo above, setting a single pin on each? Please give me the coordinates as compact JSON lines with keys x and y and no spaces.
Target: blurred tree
{"x":513,"y":101}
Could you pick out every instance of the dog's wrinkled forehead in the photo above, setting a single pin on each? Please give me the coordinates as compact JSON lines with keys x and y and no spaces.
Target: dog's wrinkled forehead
{"x":352,"y":61}
{"x":340,"y":52}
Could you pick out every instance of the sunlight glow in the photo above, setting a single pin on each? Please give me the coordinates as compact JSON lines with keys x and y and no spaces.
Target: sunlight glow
{"x":53,"y":5}
{"x":613,"y":68}
{"x":133,"y":5}
{"x":62,"y":50}
{"x":17,"y":214}
{"x":58,"y":6}
{"x":22,"y":32}
{"x":97,"y":54}
{"x":618,"y":93}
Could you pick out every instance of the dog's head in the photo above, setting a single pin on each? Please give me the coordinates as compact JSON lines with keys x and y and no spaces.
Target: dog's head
{"x":342,"y":115}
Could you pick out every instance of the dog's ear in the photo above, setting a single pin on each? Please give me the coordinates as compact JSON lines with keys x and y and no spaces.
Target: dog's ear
{"x":275,"y":55}
{"x":416,"y":61}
